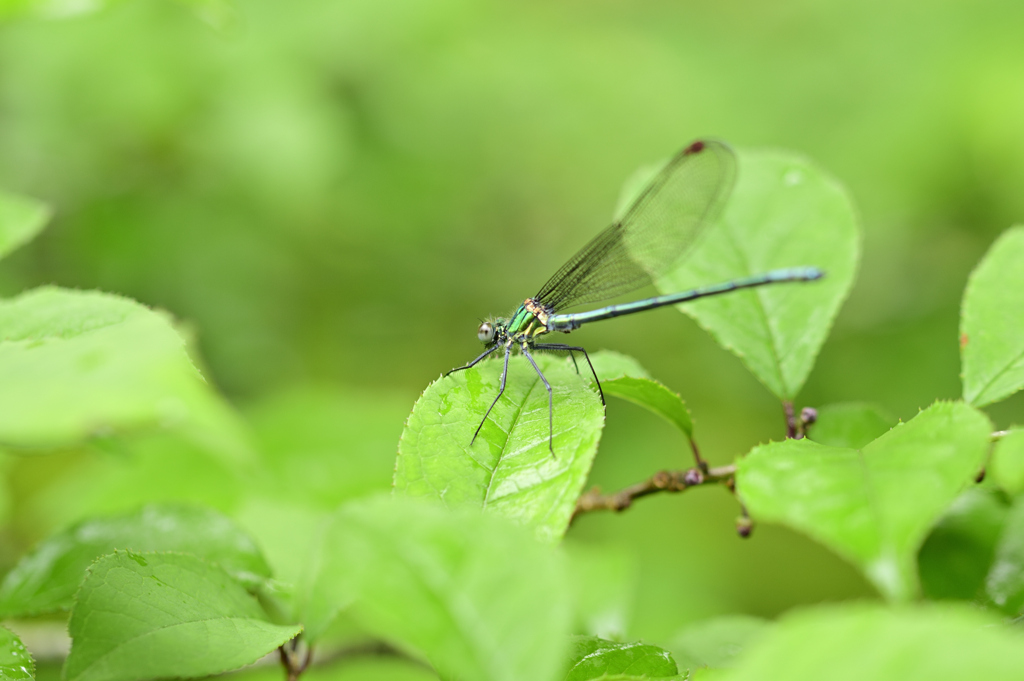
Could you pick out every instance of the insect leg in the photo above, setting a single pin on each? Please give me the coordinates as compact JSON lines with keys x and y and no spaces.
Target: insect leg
{"x":474,"y":361}
{"x":551,"y":401}
{"x":504,"y":375}
{"x":570,"y":348}
{"x":557,"y":347}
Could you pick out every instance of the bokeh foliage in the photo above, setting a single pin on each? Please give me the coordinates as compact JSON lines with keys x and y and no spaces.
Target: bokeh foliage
{"x":333,"y":193}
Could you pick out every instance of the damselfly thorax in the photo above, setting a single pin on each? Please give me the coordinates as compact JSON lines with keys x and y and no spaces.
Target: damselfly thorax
{"x":529,"y":321}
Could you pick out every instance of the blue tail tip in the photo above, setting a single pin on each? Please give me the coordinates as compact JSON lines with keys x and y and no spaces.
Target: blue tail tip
{"x":812,"y":273}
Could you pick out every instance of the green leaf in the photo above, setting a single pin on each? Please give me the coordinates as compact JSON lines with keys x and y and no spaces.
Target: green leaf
{"x":992,"y":323}
{"x":850,"y":424}
{"x":707,"y":674}
{"x":784,"y":212}
{"x":46,"y":579}
{"x":50,"y":9}
{"x":595,"y":658}
{"x":322,"y":447}
{"x":352,"y":668}
{"x":875,"y":505}
{"x":958,"y":553}
{"x":1005,"y":581}
{"x":611,"y":365}
{"x":859,"y":642}
{"x":6,"y":502}
{"x":477,"y":596}
{"x":509,"y":469}
{"x":20,"y":220}
{"x":119,"y":474}
{"x":15,"y":662}
{"x":1007,"y":465}
{"x":716,"y":642}
{"x":623,"y":377}
{"x":604,"y":581}
{"x":159,"y":615}
{"x":286,"y":534}
{"x":79,"y":364}
{"x":220,"y":14}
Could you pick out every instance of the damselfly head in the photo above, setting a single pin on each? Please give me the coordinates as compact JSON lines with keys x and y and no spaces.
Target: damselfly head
{"x":485,"y":332}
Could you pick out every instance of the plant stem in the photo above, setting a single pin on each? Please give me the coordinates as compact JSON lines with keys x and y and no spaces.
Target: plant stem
{"x":290,"y":658}
{"x":791,"y":422}
{"x":662,"y":481}
{"x":697,"y":458}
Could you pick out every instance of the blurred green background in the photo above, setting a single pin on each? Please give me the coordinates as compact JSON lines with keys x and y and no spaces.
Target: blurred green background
{"x":329,"y":195}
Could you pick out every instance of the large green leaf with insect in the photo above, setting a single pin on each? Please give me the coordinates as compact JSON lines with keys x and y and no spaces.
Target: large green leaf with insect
{"x":159,"y":615}
{"x":79,"y":364}
{"x":510,"y":468}
{"x":854,"y":643}
{"x":477,"y":596}
{"x":16,"y":664}
{"x":20,"y":220}
{"x":46,"y":579}
{"x":873,"y":505}
{"x":992,"y":323}
{"x":784,"y":212}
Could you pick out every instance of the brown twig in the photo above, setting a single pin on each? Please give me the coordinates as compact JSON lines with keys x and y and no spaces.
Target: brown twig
{"x":662,"y":481}
{"x":294,"y":663}
{"x":744,"y":524}
{"x":798,"y":424}
{"x":792,"y":424}
{"x":697,"y":458}
{"x":994,"y":438}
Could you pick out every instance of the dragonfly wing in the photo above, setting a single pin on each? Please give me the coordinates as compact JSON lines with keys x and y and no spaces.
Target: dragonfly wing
{"x":657,"y":231}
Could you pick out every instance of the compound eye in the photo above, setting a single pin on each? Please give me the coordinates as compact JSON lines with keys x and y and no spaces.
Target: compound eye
{"x":485,"y":333}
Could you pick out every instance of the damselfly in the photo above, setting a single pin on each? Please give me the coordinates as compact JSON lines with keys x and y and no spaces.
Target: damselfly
{"x":660,"y":228}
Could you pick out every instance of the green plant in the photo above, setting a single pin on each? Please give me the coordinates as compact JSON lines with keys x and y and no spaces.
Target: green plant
{"x":296,"y":547}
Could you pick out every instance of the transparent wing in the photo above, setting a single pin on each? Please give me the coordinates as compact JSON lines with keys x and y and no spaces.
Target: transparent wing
{"x":657,"y":231}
